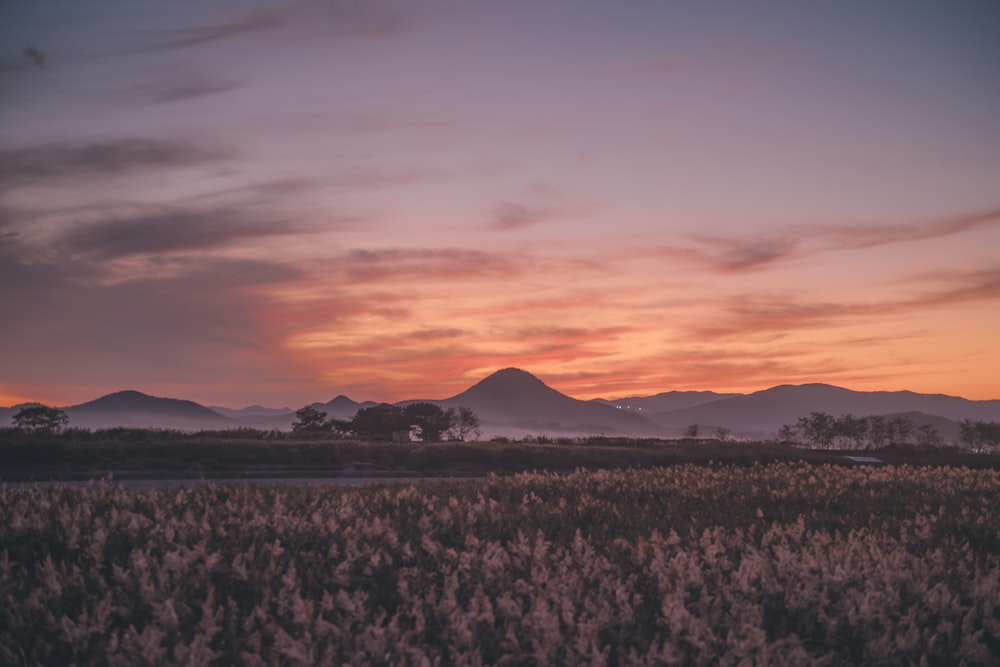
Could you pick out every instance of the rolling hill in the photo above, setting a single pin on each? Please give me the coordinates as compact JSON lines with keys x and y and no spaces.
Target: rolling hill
{"x":514,"y":402}
{"x":137,"y":410}
{"x":764,"y":412}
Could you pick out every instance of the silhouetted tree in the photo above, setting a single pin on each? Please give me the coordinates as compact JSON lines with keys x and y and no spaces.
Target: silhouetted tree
{"x":787,"y":433}
{"x":850,"y":430}
{"x":818,"y":428}
{"x":310,"y":420}
{"x":878,"y":433}
{"x":464,"y":424}
{"x":722,"y":433}
{"x":979,"y":436}
{"x":431,"y":421}
{"x":928,"y":436}
{"x":40,"y":419}
{"x":899,"y":430}
{"x":379,"y":422}
{"x":692,"y":431}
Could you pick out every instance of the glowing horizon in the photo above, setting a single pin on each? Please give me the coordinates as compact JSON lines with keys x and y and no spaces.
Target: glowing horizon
{"x":276,"y":203}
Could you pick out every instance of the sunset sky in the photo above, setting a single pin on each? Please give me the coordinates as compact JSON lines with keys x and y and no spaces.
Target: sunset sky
{"x":241,"y":202}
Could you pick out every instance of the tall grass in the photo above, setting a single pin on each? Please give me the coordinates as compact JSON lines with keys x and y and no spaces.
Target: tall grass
{"x":779,"y":564}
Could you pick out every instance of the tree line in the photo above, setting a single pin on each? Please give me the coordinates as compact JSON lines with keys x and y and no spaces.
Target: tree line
{"x":385,"y":421}
{"x":824,"y":431}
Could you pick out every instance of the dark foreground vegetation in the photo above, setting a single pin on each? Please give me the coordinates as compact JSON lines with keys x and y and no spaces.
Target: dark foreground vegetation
{"x":783,"y":564}
{"x":145,"y":453}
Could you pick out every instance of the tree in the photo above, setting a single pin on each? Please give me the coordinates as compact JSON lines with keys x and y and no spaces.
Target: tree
{"x":979,"y":436}
{"x":928,"y":436}
{"x":378,"y":422}
{"x":40,"y":419}
{"x":464,"y":423}
{"x":722,"y":433}
{"x":878,"y":433}
{"x":899,"y":430}
{"x":310,"y":420}
{"x":431,"y":421}
{"x":692,"y":431}
{"x":818,"y":428}
{"x":850,"y":430}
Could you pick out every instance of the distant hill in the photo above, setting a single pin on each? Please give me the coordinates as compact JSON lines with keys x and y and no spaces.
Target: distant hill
{"x":251,"y":411}
{"x":515,"y":402}
{"x":515,"y":398}
{"x":342,"y":407}
{"x":764,"y":412}
{"x":137,"y":410}
{"x":665,"y":402}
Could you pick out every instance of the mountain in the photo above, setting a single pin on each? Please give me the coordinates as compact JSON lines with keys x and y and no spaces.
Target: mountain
{"x":764,"y":412}
{"x":251,"y":411}
{"x":665,"y":402}
{"x":515,"y":398}
{"x":514,"y":402}
{"x":342,"y":407}
{"x":137,"y":410}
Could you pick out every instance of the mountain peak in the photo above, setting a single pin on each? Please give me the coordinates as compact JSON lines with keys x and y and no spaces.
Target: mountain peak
{"x":512,"y":377}
{"x":510,"y":386}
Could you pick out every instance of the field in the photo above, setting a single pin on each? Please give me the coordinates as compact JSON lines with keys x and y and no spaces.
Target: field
{"x":785,"y":563}
{"x":149,"y":454}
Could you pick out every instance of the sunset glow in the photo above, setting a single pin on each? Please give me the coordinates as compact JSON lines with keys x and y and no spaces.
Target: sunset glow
{"x":276,"y":203}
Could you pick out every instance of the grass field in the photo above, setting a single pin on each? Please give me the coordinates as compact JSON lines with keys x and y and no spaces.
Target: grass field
{"x":141,"y":454}
{"x":785,"y":563}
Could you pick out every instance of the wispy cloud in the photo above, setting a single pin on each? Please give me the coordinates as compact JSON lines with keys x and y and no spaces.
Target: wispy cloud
{"x":249,"y":22}
{"x":511,"y":215}
{"x":167,"y":231}
{"x":364,"y":265}
{"x":538,"y":202}
{"x":351,"y":19}
{"x":183,"y":89}
{"x":29,"y":57}
{"x":763,"y":315}
{"x":736,"y":255}
{"x":857,"y":236}
{"x":56,"y":162}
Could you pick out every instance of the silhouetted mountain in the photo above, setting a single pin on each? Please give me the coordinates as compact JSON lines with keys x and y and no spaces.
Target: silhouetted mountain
{"x":342,"y":407}
{"x":251,"y":411}
{"x":664,"y":402}
{"x":514,"y":402}
{"x":764,"y":412}
{"x":137,"y":410}
{"x":512,"y":397}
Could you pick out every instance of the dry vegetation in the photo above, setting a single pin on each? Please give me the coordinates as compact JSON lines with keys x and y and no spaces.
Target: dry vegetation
{"x":778,"y":564}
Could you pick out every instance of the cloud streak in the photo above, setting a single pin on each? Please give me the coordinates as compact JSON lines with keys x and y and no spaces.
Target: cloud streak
{"x":52,"y":163}
{"x":169,"y":231}
{"x":198,"y":35}
{"x":727,"y":255}
{"x":752,"y":316}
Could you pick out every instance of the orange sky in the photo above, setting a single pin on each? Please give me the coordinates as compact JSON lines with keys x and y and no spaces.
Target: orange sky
{"x":280,"y":203}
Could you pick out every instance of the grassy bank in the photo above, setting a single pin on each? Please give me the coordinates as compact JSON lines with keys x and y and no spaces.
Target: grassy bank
{"x":147,"y":453}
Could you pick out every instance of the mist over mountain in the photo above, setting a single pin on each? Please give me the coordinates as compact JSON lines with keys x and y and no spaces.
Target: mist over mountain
{"x":664,"y":402}
{"x":137,"y":410}
{"x":513,"y":397}
{"x":251,"y":411}
{"x":514,"y":402}
{"x":764,"y":412}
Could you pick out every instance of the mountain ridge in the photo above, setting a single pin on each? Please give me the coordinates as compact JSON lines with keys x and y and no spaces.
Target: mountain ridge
{"x":512,"y":400}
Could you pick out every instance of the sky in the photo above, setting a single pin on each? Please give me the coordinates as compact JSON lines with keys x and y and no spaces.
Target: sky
{"x":239,"y":202}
